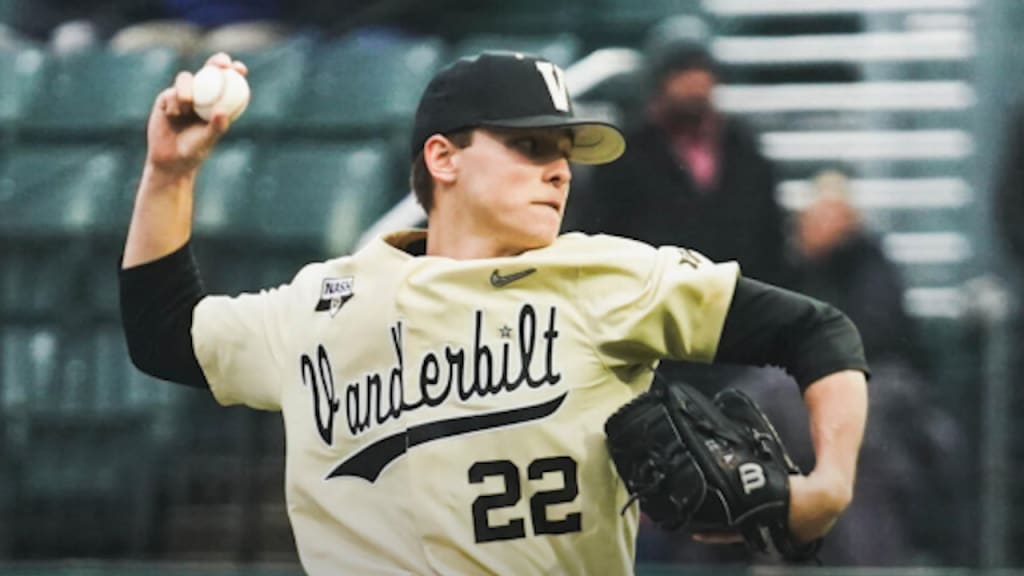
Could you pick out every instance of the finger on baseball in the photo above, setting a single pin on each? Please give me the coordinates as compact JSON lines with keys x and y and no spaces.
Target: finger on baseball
{"x":167,"y":103}
{"x":220,"y":59}
{"x":240,"y":67}
{"x":183,"y":91}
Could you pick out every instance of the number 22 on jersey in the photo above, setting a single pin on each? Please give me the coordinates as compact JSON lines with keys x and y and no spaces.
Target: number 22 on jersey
{"x":563,"y":467}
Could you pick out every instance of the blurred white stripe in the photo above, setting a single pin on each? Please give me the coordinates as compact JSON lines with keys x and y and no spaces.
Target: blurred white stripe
{"x":872,"y":46}
{"x":868,"y":144}
{"x":886,"y":193}
{"x":600,"y":65}
{"x":926,"y":247}
{"x":762,"y":7}
{"x":934,"y":302}
{"x":934,"y":95}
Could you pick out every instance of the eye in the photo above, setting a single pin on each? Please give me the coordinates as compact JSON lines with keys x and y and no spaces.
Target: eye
{"x":526,"y":145}
{"x":540,"y":148}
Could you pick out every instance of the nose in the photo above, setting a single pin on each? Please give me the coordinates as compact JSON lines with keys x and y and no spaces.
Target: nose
{"x":557,"y":173}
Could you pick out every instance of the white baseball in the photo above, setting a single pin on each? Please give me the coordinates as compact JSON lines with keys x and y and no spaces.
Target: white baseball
{"x":219,"y":89}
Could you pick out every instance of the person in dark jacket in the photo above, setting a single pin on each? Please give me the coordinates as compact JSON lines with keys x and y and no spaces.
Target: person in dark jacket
{"x":842,"y":263}
{"x":690,"y":175}
{"x":906,"y":466}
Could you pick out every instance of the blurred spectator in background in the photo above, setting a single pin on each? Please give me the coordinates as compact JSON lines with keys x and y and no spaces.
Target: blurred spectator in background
{"x":691,"y":176}
{"x":908,"y":473}
{"x":843,"y":264}
{"x":906,"y":468}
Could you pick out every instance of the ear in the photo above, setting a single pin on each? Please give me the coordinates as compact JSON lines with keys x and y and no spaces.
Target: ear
{"x":439,"y":154}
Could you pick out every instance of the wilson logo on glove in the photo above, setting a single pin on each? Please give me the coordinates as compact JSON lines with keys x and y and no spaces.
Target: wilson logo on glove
{"x":752,"y":476}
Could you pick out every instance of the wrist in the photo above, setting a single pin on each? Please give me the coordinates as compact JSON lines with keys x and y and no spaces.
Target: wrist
{"x":815,"y":506}
{"x":168,"y":175}
{"x":834,"y":491}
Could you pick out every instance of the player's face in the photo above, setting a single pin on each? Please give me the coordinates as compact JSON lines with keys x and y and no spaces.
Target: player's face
{"x":514,"y":185}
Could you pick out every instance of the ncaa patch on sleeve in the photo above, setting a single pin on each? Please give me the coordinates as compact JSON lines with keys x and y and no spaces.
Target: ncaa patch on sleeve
{"x":334,"y":292}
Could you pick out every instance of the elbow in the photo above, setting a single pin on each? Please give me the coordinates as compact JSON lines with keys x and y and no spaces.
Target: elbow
{"x":831,"y":344}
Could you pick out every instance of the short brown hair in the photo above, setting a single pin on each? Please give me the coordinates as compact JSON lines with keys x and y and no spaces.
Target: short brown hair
{"x":422,"y":181}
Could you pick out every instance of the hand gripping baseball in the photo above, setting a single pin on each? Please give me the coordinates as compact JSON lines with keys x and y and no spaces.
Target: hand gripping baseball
{"x":178,"y":139}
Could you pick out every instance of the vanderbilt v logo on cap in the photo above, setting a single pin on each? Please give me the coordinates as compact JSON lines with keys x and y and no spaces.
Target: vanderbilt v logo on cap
{"x":510,"y":90}
{"x":554,"y":78}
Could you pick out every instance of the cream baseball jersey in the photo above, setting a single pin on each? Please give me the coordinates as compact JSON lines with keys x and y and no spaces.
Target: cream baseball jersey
{"x":446,"y":416}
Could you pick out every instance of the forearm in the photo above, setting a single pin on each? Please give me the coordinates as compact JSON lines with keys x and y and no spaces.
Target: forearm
{"x":162,"y":219}
{"x":837,"y":407}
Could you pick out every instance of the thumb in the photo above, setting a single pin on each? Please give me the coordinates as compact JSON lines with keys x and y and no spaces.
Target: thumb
{"x":209,"y":134}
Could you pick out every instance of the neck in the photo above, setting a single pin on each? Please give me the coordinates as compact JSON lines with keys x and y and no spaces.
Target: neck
{"x":450,"y":238}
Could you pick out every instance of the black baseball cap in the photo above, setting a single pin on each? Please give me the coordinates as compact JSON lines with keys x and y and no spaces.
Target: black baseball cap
{"x":510,"y":90}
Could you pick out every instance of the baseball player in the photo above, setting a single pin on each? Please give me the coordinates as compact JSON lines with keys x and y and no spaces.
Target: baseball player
{"x":444,"y":390}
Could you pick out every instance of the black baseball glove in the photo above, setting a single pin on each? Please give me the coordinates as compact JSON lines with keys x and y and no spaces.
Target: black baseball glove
{"x":710,"y":466}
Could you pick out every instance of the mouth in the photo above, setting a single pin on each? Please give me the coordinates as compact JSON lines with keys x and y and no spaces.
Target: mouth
{"x":553,"y":204}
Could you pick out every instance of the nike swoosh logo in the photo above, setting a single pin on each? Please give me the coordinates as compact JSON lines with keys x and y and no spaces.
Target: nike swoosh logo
{"x":497,"y":280}
{"x":369,"y":462}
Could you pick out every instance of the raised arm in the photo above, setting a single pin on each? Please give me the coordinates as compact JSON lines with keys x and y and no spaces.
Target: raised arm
{"x":177,"y":143}
{"x":159,"y":281}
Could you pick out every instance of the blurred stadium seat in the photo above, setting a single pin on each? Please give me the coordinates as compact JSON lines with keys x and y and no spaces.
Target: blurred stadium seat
{"x":514,"y":18}
{"x":322,"y":194}
{"x":60,"y":190}
{"x":54,"y":201}
{"x":626,"y":22}
{"x":79,"y":494}
{"x":223,"y":222}
{"x":367,"y":85}
{"x":222,"y":190}
{"x":38,"y":281}
{"x":96,"y":93}
{"x":21,"y":69}
{"x":562,"y":49}
{"x":29,"y":364}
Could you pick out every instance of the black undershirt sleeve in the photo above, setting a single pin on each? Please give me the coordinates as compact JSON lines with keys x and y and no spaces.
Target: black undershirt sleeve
{"x":157,"y":299}
{"x":809,"y":339}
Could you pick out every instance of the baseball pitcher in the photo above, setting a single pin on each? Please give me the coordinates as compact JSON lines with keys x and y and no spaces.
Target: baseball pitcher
{"x":445,"y":391}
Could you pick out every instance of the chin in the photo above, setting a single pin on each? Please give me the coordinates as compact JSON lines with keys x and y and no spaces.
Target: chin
{"x":545,"y":238}
{"x":536,"y":240}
